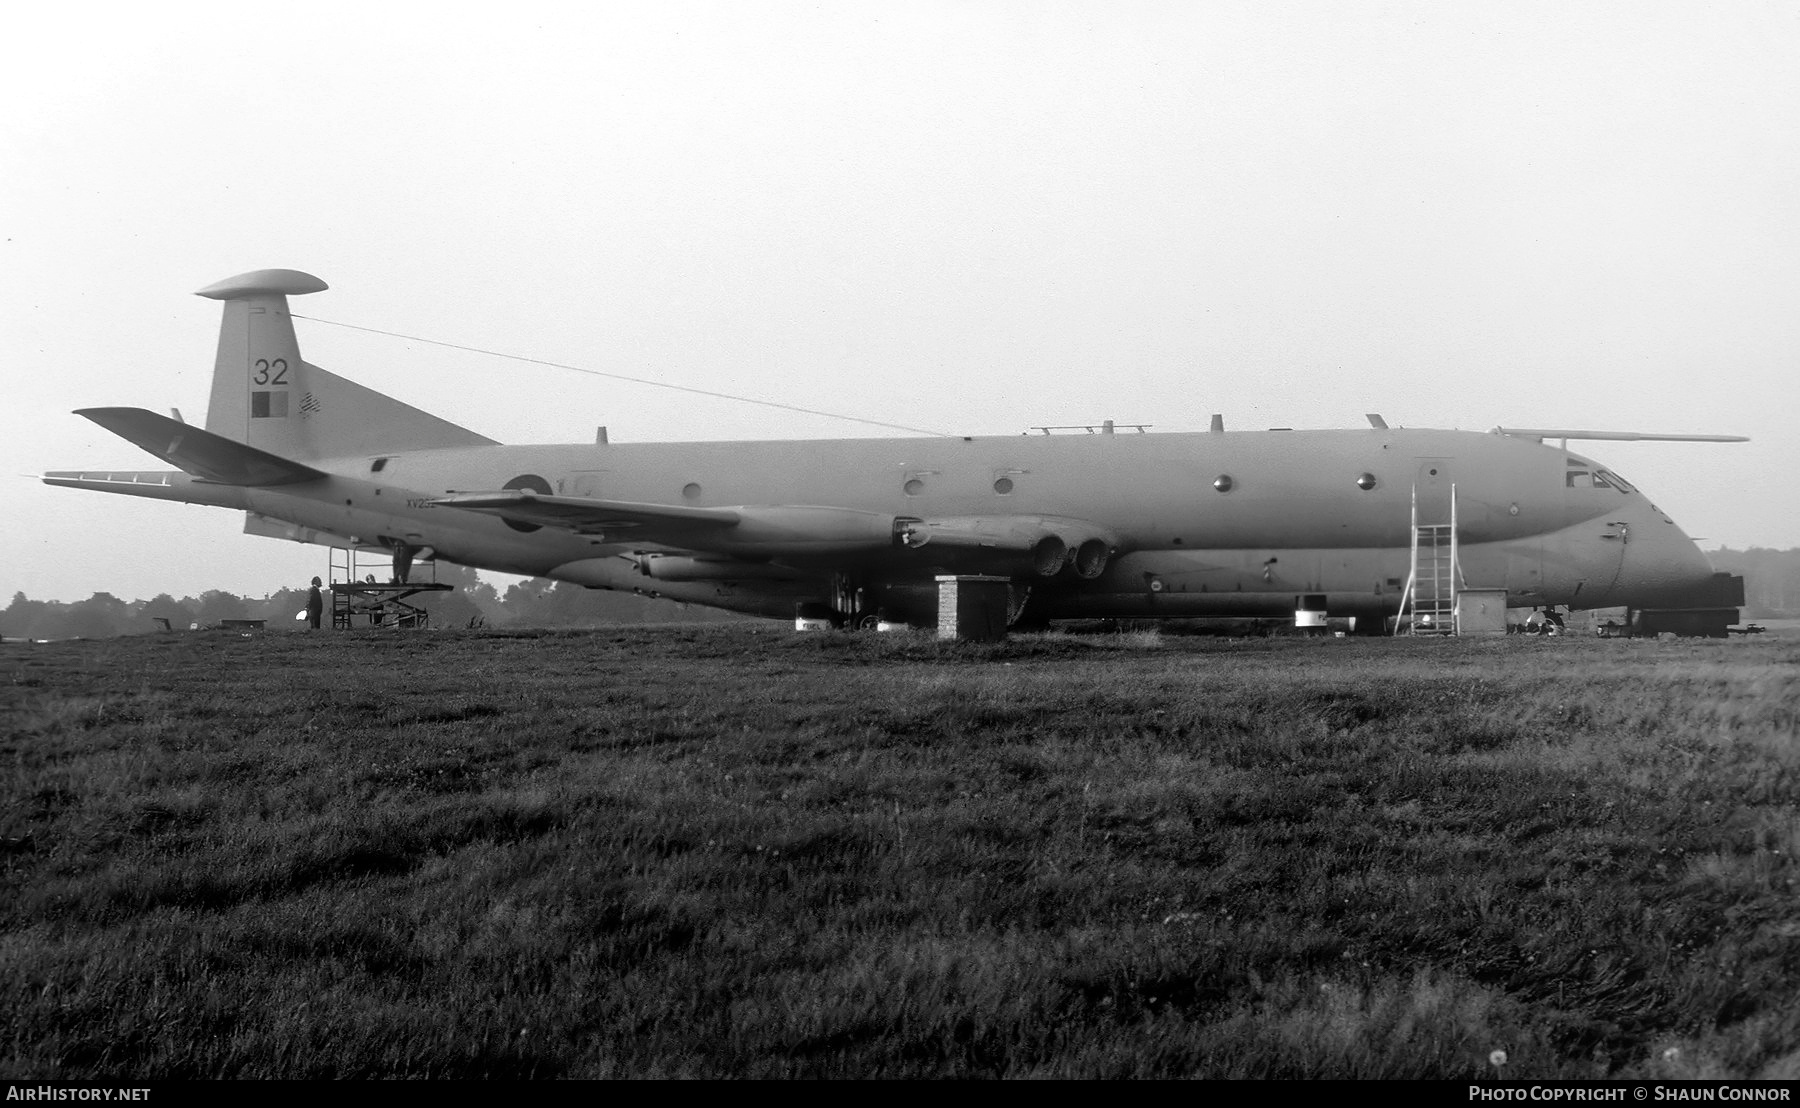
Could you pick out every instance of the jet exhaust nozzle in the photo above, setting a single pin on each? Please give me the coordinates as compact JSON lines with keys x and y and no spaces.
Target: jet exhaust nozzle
{"x":1088,"y":560}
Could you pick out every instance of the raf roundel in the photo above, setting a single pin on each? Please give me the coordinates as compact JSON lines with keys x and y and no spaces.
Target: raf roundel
{"x":529,"y":482}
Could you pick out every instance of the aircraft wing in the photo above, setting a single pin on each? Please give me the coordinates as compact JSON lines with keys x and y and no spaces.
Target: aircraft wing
{"x":769,"y":530}
{"x":588,"y":516}
{"x":207,"y":456}
{"x":1541,"y":433}
{"x":1036,"y":545}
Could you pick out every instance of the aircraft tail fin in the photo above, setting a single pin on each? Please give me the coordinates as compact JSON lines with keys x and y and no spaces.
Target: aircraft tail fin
{"x":266,"y":396}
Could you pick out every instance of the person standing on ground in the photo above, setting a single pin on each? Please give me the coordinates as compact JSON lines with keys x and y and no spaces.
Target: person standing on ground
{"x":315,"y":606}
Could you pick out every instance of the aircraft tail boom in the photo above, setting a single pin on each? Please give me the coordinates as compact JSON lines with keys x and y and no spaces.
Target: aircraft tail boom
{"x":180,"y":488}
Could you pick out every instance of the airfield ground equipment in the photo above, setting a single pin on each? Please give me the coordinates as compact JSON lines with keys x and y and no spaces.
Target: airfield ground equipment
{"x":1428,"y":605}
{"x":973,"y":606}
{"x":357,"y":596}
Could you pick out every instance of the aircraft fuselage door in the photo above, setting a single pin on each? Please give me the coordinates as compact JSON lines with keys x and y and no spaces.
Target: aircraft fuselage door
{"x":1603,"y":542}
{"x":1431,"y":487}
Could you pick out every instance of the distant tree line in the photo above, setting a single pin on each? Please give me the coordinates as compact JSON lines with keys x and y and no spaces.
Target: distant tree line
{"x":471,"y":602}
{"x":1771,"y":580}
{"x":1771,"y":591}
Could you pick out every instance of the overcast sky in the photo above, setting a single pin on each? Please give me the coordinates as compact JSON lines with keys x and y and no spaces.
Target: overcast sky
{"x":970,"y":217}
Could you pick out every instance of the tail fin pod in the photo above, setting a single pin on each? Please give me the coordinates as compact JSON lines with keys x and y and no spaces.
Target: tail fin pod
{"x":266,"y":396}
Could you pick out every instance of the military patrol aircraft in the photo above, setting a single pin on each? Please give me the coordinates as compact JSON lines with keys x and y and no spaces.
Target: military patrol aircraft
{"x":1260,"y":523}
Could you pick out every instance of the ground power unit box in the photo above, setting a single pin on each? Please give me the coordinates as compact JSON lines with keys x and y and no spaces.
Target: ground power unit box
{"x":973,"y":607}
{"x":1481,"y":612}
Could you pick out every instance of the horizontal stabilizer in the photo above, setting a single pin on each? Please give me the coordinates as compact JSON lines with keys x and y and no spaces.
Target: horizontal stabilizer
{"x":207,"y":456}
{"x":1541,"y":433}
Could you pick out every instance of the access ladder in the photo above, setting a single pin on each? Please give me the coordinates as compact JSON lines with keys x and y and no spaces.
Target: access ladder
{"x":1428,"y":606}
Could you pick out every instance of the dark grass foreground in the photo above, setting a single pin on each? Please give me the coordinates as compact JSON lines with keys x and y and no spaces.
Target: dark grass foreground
{"x":736,"y":851}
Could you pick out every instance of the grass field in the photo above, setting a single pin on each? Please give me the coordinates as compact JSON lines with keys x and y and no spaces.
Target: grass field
{"x":732,"y":850}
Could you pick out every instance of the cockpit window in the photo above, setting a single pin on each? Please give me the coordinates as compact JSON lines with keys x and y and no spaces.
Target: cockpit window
{"x":1612,"y":480}
{"x":1597,"y":479}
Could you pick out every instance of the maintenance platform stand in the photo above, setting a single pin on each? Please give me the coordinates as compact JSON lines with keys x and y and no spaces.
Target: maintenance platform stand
{"x":364,"y":592}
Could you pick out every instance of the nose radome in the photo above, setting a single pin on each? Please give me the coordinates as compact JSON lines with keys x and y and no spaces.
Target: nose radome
{"x":1663,"y":567}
